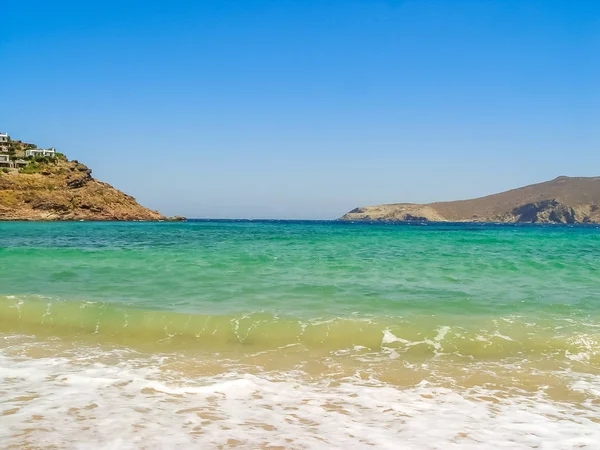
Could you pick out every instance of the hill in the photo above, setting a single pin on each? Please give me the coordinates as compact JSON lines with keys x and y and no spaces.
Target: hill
{"x":562,"y":200}
{"x":59,"y":189}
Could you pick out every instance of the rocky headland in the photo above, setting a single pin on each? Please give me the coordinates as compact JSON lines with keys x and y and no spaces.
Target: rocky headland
{"x":54,"y":188}
{"x":562,"y":200}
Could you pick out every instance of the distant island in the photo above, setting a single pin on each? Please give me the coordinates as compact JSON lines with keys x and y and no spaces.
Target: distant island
{"x":42,"y":184}
{"x":562,"y":200}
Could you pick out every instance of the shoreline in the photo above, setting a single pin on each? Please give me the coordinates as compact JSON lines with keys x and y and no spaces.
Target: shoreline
{"x":299,"y":334}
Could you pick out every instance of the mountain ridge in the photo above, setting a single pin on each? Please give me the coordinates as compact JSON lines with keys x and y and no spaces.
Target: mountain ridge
{"x":561,"y":200}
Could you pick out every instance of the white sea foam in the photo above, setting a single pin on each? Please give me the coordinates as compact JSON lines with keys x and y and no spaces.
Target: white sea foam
{"x":132,"y":404}
{"x":390,"y":338}
{"x":435,"y":344}
{"x":502,"y":336}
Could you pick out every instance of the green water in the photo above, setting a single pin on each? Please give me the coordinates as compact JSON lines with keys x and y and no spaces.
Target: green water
{"x":299,"y":335}
{"x":274,"y":283}
{"x":306,"y":269}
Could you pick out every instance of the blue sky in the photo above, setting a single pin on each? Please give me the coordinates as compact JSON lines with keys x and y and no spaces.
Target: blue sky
{"x":306,"y":109}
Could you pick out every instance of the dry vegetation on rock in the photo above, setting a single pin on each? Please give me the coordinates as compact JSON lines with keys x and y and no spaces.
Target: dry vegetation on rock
{"x":562,"y":200}
{"x":57,"y":189}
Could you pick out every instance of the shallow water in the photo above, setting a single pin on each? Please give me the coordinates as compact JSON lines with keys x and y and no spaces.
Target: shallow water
{"x":299,"y":335}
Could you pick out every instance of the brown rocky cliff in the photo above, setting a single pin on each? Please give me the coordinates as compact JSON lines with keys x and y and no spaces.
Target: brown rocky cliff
{"x":65,"y":190}
{"x":562,"y":200}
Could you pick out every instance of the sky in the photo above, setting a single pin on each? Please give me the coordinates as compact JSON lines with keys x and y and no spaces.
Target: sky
{"x":306,"y":109}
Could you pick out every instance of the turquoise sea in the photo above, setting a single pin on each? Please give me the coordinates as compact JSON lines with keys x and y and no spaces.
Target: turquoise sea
{"x":282,"y":334}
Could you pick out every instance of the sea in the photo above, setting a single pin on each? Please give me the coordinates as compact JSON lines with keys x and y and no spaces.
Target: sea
{"x":299,"y":335}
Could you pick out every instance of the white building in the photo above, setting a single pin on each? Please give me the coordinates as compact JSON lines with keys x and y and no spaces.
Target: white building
{"x":34,"y":152}
{"x":5,"y":161}
{"x":4,"y":142}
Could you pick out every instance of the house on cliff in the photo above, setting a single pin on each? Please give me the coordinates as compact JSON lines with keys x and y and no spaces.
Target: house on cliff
{"x":4,"y":139}
{"x":35,"y":152}
{"x":6,"y":161}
